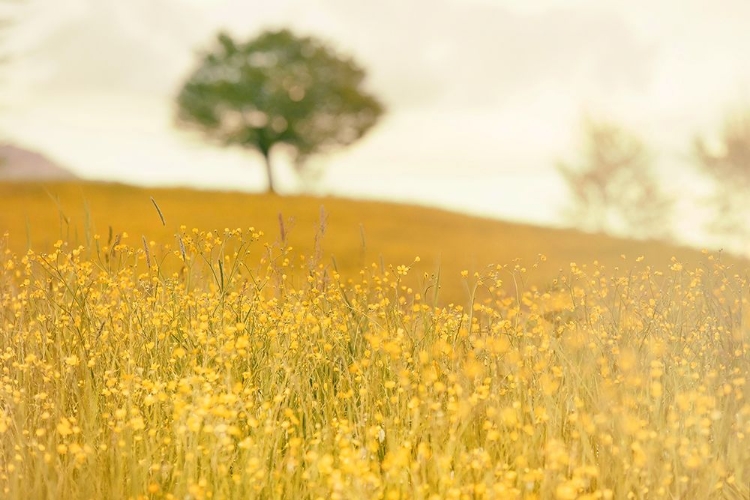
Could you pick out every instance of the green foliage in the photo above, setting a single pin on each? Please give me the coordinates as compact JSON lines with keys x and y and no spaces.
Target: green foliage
{"x":614,"y":189}
{"x":278,"y":89}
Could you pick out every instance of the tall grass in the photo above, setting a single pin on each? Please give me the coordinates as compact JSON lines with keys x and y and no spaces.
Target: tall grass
{"x":195,"y":369}
{"x":357,"y":232}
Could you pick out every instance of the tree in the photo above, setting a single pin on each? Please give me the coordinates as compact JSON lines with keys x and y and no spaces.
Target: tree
{"x":727,"y":162}
{"x":7,"y":17}
{"x":614,"y":188}
{"x":278,"y":89}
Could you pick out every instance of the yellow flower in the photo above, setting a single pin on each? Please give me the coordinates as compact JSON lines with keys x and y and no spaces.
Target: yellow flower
{"x":566,"y":491}
{"x":64,"y":428}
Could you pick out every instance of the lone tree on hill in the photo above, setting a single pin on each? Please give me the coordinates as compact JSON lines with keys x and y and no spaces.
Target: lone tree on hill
{"x":727,"y":162}
{"x":614,"y":188}
{"x":278,"y":89}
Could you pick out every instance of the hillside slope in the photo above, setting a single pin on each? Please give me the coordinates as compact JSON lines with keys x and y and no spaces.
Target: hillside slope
{"x":356,"y":233}
{"x":19,"y":164}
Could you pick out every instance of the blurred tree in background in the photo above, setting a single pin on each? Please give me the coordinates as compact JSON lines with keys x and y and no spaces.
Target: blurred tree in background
{"x":278,"y":89}
{"x":614,"y":189}
{"x":5,"y":21}
{"x":727,"y":162}
{"x":8,"y":15}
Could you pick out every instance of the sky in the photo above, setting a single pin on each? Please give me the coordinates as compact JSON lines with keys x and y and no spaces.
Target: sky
{"x":484,"y":97}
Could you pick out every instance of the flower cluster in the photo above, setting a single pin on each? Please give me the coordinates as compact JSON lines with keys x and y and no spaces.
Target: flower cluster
{"x":219,"y":367}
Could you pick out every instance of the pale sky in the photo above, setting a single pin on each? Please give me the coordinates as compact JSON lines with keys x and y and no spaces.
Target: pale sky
{"x":483,"y":96}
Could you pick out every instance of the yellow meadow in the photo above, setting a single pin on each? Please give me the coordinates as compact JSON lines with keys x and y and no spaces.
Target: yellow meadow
{"x":217,"y":366}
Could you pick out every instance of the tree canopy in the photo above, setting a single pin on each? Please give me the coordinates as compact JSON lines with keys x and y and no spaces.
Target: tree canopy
{"x":278,"y":88}
{"x":614,"y":188}
{"x":727,"y":161}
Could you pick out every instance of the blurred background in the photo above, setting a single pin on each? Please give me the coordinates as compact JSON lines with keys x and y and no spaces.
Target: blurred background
{"x":490,"y":103}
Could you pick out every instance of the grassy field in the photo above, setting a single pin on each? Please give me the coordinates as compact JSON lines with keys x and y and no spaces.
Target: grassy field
{"x":356,"y":233}
{"x":219,"y":363}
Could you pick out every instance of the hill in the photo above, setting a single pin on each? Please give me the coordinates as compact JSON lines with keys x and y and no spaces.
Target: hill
{"x":19,"y":164}
{"x":353,"y":234}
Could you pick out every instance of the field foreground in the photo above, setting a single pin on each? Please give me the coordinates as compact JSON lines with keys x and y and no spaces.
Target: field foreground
{"x":227,"y":379}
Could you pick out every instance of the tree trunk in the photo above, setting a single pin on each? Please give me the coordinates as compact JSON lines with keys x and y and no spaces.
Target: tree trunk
{"x":269,"y":172}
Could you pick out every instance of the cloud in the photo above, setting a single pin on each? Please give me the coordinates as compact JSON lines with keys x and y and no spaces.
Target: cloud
{"x":477,"y":54}
{"x":112,"y":46}
{"x":419,"y":53}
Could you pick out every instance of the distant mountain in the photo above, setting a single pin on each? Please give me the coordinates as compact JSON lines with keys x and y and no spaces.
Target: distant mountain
{"x":19,"y":164}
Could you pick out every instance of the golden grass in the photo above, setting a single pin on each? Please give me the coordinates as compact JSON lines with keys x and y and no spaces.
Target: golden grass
{"x":357,"y":233}
{"x":204,"y":370}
